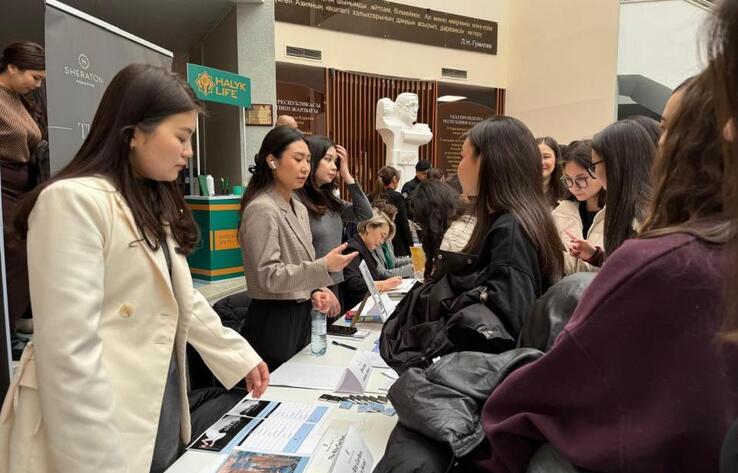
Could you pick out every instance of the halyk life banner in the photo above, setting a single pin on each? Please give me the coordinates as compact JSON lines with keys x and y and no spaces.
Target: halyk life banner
{"x":214,"y":85}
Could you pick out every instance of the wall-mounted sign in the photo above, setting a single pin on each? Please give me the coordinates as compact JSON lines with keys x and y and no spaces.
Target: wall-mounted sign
{"x":260,"y":114}
{"x":301,"y":94}
{"x":454,"y":119}
{"x":389,"y":20}
{"x":214,"y":85}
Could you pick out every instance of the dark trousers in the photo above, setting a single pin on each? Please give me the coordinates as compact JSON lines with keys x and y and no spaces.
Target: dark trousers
{"x":277,"y":330}
{"x":14,"y":186}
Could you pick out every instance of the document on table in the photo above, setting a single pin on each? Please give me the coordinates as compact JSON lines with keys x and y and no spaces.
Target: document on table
{"x":352,"y":379}
{"x":376,"y":357}
{"x":240,"y":461}
{"x":304,"y":375}
{"x":268,"y":427}
{"x":405,"y":286}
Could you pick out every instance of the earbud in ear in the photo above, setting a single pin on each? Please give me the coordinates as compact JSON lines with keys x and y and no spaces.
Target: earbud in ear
{"x":272,"y":165}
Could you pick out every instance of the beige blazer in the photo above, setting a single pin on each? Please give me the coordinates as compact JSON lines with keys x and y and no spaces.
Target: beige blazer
{"x":106,"y":319}
{"x":277,"y":245}
{"x":566,"y":215}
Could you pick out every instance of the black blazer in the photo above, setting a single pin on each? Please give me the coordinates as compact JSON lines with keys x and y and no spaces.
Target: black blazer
{"x":403,"y":239}
{"x":353,"y":287}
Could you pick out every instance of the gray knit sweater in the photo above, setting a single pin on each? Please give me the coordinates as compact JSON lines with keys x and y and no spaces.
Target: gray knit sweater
{"x":328,"y":229}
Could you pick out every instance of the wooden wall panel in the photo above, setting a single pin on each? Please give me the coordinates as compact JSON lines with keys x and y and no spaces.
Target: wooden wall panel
{"x":351,"y":116}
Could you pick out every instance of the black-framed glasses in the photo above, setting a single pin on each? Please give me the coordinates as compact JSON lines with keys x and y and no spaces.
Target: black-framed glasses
{"x":592,"y":167}
{"x":580,"y":182}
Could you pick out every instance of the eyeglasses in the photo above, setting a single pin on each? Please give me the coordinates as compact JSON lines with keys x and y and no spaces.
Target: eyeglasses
{"x":580,"y":182}
{"x":591,"y":169}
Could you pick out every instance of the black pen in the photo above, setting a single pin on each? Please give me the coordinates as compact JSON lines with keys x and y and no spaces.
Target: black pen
{"x":343,"y":345}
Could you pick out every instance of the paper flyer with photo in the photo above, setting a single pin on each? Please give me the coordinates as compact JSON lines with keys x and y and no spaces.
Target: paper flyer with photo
{"x":266,"y":427}
{"x":240,"y":461}
{"x":220,"y":434}
{"x":285,"y":428}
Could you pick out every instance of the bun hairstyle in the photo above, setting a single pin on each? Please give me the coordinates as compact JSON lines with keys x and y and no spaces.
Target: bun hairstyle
{"x":274,"y":144}
{"x":24,"y":55}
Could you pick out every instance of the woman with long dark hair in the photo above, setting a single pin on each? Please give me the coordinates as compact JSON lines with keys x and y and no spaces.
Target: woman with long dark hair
{"x":550,"y":159}
{"x":723,"y":53}
{"x":583,"y":214}
{"x":622,"y":155}
{"x":22,"y":69}
{"x":518,"y":248}
{"x":328,"y":214}
{"x":385,"y":188}
{"x":113,"y":301}
{"x":639,"y":380}
{"x":652,"y":127}
{"x":435,"y":204}
{"x":284,"y":278}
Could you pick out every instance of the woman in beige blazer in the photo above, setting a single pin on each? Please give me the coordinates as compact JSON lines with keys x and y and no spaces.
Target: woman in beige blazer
{"x":103,"y":387}
{"x":283,"y":276}
{"x":583,"y":215}
{"x":621,"y":160}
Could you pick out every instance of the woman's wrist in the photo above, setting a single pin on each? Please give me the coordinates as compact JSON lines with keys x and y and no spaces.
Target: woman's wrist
{"x":596,"y":256}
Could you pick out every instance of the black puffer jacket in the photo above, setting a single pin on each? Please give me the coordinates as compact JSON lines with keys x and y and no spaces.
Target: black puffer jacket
{"x":552,"y":311}
{"x":439,"y":407}
{"x":444,"y":405}
{"x":232,"y":310}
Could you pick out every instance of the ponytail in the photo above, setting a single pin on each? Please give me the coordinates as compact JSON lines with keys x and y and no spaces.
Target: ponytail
{"x":384,"y":179}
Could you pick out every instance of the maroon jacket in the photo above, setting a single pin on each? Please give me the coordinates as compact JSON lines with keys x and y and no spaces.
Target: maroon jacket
{"x":637,"y":381}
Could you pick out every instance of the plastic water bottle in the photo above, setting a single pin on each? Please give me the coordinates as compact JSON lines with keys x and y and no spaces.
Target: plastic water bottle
{"x":318,"y":339}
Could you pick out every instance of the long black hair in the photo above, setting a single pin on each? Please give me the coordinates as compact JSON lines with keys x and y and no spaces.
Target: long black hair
{"x":434,"y":204}
{"x":274,"y":144}
{"x":510,"y":180}
{"x":140,"y":96}
{"x":319,"y":199}
{"x":652,"y":127}
{"x":627,"y":151}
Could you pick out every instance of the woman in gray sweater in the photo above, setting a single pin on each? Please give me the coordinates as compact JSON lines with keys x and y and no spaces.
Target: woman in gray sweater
{"x":327,"y":212}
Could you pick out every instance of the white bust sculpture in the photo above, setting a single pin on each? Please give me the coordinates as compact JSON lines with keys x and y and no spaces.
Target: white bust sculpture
{"x":401,"y":135}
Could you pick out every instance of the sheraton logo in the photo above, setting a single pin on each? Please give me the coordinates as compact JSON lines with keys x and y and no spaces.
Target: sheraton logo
{"x":81,"y":73}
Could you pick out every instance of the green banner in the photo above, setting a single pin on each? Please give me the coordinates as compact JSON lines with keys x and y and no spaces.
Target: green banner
{"x":214,"y":85}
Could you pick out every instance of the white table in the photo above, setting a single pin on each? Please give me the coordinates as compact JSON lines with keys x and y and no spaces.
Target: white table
{"x":375,"y":428}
